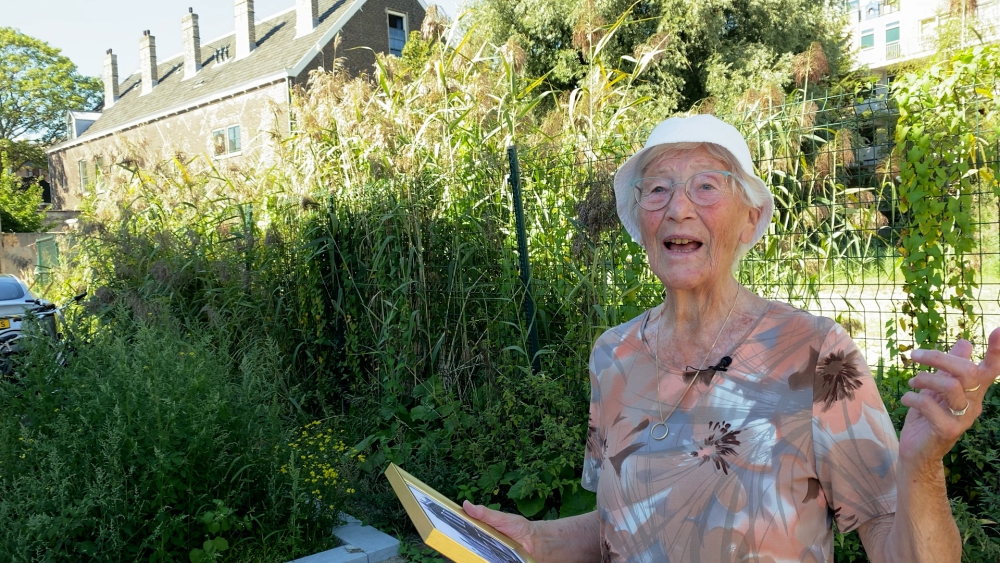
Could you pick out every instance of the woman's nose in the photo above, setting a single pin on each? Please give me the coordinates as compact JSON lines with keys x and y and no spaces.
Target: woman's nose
{"x":679,"y":206}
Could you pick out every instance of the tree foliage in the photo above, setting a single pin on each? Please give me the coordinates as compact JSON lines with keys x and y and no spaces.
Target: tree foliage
{"x":703,"y":47}
{"x":19,"y":204}
{"x":37,"y":86}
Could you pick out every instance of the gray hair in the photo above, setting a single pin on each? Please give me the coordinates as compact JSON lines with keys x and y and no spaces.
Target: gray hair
{"x":753,"y":193}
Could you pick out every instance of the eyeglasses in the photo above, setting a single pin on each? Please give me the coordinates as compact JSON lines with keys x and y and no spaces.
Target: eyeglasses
{"x":704,"y":188}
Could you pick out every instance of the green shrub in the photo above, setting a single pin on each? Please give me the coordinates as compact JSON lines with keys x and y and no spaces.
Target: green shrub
{"x":154,"y":443}
{"x":20,"y":207}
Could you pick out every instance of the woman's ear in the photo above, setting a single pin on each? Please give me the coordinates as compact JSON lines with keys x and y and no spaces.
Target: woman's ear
{"x":753,"y":217}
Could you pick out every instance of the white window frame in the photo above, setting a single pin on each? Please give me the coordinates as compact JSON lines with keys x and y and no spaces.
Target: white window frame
{"x":406,"y":29}
{"x":863,"y":34}
{"x":83,"y":168}
{"x":229,"y":139}
{"x":226,"y":153}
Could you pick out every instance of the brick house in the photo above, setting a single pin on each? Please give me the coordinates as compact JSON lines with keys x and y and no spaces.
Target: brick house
{"x":225,"y":99}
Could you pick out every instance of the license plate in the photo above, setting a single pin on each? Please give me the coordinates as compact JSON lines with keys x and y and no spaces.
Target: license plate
{"x":4,"y":323}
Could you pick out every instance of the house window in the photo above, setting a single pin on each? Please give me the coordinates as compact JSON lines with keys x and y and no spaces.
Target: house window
{"x":234,"y":139}
{"x":928,"y":31}
{"x":219,"y":142}
{"x":397,"y":33}
{"x":868,"y":39}
{"x":892,"y":33}
{"x":893,"y":50}
{"x":226,"y":141}
{"x":99,"y":166}
{"x":84,"y":177}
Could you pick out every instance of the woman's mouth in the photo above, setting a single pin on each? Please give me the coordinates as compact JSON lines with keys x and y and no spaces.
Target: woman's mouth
{"x":681,"y":244}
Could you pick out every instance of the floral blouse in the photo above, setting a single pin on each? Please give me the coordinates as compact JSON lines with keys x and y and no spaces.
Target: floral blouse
{"x":759,"y":460}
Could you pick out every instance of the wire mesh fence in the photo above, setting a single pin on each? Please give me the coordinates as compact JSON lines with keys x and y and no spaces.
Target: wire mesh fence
{"x":833,"y":247}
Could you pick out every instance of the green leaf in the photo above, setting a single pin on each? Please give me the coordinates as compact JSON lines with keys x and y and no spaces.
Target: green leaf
{"x":220,"y":544}
{"x":530,"y":506}
{"x":579,"y":501}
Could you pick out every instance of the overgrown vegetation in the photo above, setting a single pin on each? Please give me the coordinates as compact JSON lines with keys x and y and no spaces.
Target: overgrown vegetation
{"x":369,"y":279}
{"x":158,"y":441}
{"x":20,"y":206}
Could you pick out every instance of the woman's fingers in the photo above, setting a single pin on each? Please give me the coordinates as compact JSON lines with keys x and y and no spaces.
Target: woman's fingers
{"x":991,"y":361}
{"x":517,"y":528}
{"x":947,"y":427}
{"x":974,"y":379}
{"x":956,"y":362}
{"x":946,"y":386}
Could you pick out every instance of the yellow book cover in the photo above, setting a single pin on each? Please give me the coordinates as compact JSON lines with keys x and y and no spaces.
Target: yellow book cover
{"x":444,"y":526}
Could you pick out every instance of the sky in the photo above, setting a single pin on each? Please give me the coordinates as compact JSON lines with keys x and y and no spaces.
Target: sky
{"x":85,"y":29}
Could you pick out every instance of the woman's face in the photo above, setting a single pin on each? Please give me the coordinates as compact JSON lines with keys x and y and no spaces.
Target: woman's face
{"x":691,"y":246}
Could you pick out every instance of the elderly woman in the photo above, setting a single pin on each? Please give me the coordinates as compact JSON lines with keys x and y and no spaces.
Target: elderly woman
{"x":725,"y":427}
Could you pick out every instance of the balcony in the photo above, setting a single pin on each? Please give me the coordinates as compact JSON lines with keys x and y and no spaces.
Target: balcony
{"x":893,"y":51}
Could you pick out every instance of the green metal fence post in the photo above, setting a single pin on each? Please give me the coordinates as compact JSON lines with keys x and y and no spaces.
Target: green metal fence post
{"x":522,"y":251}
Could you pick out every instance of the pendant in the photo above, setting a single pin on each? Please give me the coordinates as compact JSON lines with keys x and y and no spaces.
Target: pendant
{"x":653,"y":433}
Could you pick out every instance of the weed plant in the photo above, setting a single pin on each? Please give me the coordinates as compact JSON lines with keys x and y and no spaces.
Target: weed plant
{"x":156,"y":443}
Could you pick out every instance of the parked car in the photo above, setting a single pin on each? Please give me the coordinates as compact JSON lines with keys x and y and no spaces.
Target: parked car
{"x":17,"y":304}
{"x":16,"y":300}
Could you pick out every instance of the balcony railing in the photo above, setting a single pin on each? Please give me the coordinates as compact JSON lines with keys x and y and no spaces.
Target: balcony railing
{"x":893,"y":51}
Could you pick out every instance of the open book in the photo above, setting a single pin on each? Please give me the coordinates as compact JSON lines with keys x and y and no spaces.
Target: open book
{"x":444,"y":526}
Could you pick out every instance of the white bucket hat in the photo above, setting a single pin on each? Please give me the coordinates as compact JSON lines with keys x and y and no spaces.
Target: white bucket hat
{"x":694,"y":129}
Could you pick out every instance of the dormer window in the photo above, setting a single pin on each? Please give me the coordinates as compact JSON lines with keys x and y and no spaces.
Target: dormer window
{"x":397,"y":33}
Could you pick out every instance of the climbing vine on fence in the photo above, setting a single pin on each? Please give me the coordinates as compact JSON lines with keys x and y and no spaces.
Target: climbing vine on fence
{"x":946,"y":132}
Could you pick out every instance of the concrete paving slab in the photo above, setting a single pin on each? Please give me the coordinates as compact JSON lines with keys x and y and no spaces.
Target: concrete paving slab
{"x":342,"y":554}
{"x":377,"y":545}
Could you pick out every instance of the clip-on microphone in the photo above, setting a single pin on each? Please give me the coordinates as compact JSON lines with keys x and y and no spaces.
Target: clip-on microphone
{"x":724,"y":363}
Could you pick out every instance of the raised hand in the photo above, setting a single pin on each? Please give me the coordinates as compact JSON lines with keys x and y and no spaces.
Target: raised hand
{"x":947,"y":401}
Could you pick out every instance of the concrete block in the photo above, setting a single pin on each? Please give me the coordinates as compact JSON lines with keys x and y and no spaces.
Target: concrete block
{"x":342,"y":554}
{"x":377,"y":545}
{"x":348,"y":519}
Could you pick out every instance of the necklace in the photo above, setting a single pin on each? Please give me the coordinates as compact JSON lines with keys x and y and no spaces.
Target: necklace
{"x":659,"y":406}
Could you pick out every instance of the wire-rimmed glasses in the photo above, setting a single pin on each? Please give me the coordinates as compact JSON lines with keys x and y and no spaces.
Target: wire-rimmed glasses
{"x":704,"y":188}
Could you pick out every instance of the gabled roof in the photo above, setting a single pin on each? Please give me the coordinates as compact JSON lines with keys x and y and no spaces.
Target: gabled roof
{"x":278,"y":54}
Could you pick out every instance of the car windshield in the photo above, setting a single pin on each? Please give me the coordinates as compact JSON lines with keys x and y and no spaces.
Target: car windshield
{"x":10,"y":289}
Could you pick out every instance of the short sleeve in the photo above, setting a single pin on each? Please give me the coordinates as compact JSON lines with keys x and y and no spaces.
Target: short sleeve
{"x":856,"y":447}
{"x":593,"y":458}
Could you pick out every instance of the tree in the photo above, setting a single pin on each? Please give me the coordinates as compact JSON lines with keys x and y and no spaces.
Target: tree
{"x":37,"y":86}
{"x":708,"y":45}
{"x":20,"y":205}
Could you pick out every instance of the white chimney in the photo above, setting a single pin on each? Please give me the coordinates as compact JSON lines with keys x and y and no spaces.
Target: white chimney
{"x":306,"y":16}
{"x":246,"y":35}
{"x":192,"y":44}
{"x":147,"y":62}
{"x":110,"y":79}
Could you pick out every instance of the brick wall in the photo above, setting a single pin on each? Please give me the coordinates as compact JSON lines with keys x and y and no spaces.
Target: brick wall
{"x":259,"y":113}
{"x":369,"y":27}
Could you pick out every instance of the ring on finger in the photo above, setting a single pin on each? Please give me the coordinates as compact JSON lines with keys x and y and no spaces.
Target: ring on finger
{"x":968,"y":403}
{"x":974,"y":389}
